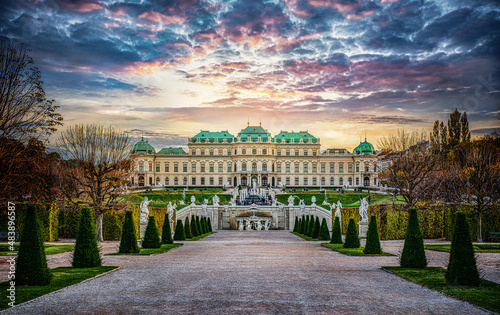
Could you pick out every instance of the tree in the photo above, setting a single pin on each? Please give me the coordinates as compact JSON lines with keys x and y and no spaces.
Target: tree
{"x":310,"y":228}
{"x":336,"y":232}
{"x":166,"y":232}
{"x":209,"y":225}
{"x":31,"y":265}
{"x":187,"y":228}
{"x":464,"y":129}
{"x":413,"y":254}
{"x":454,"y":129}
{"x":87,"y":252}
{"x":194,"y":227}
{"x":179,"y":234}
{"x":198,"y":226}
{"x":324,"y":234}
{"x":351,"y":235}
{"x":151,"y":235}
{"x":402,"y":140}
{"x":373,"y":238}
{"x":128,"y":241}
{"x":316,"y":228}
{"x":295,"y":225}
{"x":306,"y":225}
{"x":462,"y":268}
{"x":101,"y":155}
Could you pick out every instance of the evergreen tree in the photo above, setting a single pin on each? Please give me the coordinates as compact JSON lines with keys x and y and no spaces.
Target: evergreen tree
{"x":454,"y":129}
{"x":443,"y":132}
{"x":179,"y":234}
{"x":151,"y":235}
{"x":372,"y":238}
{"x":305,"y":225}
{"x":413,"y":255}
{"x":295,"y":225}
{"x":31,"y":265}
{"x":209,"y":225}
{"x":128,"y":241}
{"x":203,"y":225}
{"x":310,"y":226}
{"x":198,"y":225}
{"x":302,"y":224}
{"x":87,"y":252}
{"x":324,"y":234}
{"x":187,"y":228}
{"x":194,"y":227}
{"x":336,"y":232}
{"x":351,"y":236}
{"x":462,"y":268}
{"x":464,"y":129}
{"x":299,"y":226}
{"x":316,"y":228}
{"x":166,"y":232}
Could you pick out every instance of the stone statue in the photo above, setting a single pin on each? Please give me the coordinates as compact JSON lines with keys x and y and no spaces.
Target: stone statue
{"x":226,"y":208}
{"x":240,"y":225}
{"x":326,"y":203}
{"x":145,"y":210}
{"x":259,"y":226}
{"x":267,"y":225}
{"x":249,"y":225}
{"x":216,"y":200}
{"x":193,"y":199}
{"x":363,"y":210}
{"x":302,"y":205}
{"x":338,"y":213}
{"x":281,"y":207}
{"x":313,"y":200}
{"x":290,"y":201}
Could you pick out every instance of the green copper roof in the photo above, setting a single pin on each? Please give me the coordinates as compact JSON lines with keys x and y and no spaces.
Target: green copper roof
{"x":143,"y":147}
{"x":172,"y":151}
{"x":364,"y":148}
{"x":254,"y":133}
{"x":295,"y":137}
{"x":210,"y":137}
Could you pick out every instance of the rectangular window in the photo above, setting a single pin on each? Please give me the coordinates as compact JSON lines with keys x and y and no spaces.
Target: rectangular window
{"x":279,"y":152}
{"x":141,"y":167}
{"x":202,"y":152}
{"x":287,"y":152}
{"x":306,"y":167}
{"x":296,"y":181}
{"x":288,"y":168}
{"x":367,"y":167}
{"x":287,"y":181}
{"x":305,"y":182}
{"x":341,"y":168}
{"x":244,"y":167}
{"x":323,"y":168}
{"x":315,"y":168}
{"x":229,"y":167}
{"x":305,"y":152}
{"x":202,"y":170}
{"x":220,"y":151}
{"x":220,"y":181}
{"x":314,"y":152}
{"x":176,"y":167}
{"x":357,"y":167}
{"x":349,"y":168}
{"x":193,"y":168}
{"x":157,"y":167}
{"x":220,"y":168}
{"x":167,"y":167}
{"x":278,"y":167}
{"x":296,"y":167}
{"x":185,"y":168}
{"x":193,"y":181}
{"x":211,"y":168}
{"x":279,"y":180}
{"x":202,"y":181}
{"x":211,"y":181}
{"x":193,"y":152}
{"x":228,"y":152}
{"x":211,"y":152}
{"x":332,"y":167}
{"x":296,"y":152}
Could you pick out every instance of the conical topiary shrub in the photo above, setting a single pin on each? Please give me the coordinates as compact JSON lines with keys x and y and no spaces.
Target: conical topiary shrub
{"x":462,"y":268}
{"x":151,"y":235}
{"x":372,"y":238}
{"x":87,"y":252}
{"x":336,"y":232}
{"x":324,"y":234}
{"x":128,"y":241}
{"x":31,"y":265}
{"x":302,"y":224}
{"x":205,"y":225}
{"x":299,"y":224}
{"x":305,"y":225}
{"x":166,"y":231}
{"x":179,"y":232}
{"x":295,"y":225}
{"x":317,"y":226}
{"x":351,"y":235}
{"x":209,"y":225}
{"x":187,"y":228}
{"x":413,"y":255}
{"x":310,"y":228}
{"x":194,"y":227}
{"x":198,"y":225}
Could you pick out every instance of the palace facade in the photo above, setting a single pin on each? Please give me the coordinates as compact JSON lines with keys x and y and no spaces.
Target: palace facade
{"x":289,"y":159}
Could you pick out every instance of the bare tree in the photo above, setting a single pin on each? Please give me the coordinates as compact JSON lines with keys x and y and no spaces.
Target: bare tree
{"x":402,"y":140}
{"x":100,"y":153}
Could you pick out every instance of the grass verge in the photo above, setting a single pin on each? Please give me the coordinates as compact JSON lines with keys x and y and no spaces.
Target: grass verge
{"x":199,"y":237}
{"x":49,"y":249}
{"x":486,"y":295}
{"x":352,"y":251}
{"x":478,"y":248}
{"x":151,"y":251}
{"x":307,"y":238}
{"x":62,"y":277}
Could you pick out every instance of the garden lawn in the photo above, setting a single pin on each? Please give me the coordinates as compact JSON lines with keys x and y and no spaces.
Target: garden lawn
{"x":161,"y":199}
{"x":478,"y":248}
{"x":487,"y":295}
{"x":62,"y":277}
{"x":199,"y":237}
{"x":49,"y":249}
{"x":352,"y":251}
{"x":151,"y":251}
{"x":347,"y":199}
{"x":307,"y":238}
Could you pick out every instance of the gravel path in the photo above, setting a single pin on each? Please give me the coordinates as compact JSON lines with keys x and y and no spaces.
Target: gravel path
{"x":266,"y":272}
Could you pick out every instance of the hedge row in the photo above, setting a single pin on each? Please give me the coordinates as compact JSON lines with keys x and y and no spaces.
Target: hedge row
{"x":47,"y":215}
{"x":435,"y":222}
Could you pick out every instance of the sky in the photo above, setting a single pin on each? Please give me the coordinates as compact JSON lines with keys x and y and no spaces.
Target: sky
{"x":341,"y":69}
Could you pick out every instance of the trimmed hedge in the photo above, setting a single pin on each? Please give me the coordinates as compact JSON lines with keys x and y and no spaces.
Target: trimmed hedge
{"x":413,"y":254}
{"x":128,"y":241}
{"x":336,"y":233}
{"x":351,"y":237}
{"x":151,"y":235}
{"x":372,"y":238}
{"x":87,"y":251}
{"x":47,"y":218}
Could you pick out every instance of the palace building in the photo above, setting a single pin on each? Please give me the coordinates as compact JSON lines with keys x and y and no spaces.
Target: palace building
{"x":289,"y":159}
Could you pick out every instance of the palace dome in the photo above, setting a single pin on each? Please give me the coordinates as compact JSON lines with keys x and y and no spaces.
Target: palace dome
{"x":143,"y":147}
{"x":364,"y":148}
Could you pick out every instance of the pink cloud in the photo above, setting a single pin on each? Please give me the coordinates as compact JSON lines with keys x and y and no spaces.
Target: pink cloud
{"x":158,"y":17}
{"x":83,"y":7}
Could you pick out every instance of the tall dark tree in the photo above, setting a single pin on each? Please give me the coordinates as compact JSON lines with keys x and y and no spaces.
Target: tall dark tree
{"x":198,"y":226}
{"x":179,"y":234}
{"x":187,"y":228}
{"x":166,"y":232}
{"x":316,"y":228}
{"x":128,"y":242}
{"x":151,"y":235}
{"x":464,"y":129}
{"x":209,"y":225}
{"x":87,"y":252}
{"x":31,"y":265}
{"x":324,"y":234}
{"x":351,"y":235}
{"x":194,"y":227}
{"x":336,"y":232}
{"x":372,"y":238}
{"x":413,"y":254}
{"x":295,"y":225}
{"x":454,"y":129}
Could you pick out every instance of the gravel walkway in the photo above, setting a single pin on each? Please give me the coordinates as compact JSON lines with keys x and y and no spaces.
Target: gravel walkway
{"x":266,"y":272}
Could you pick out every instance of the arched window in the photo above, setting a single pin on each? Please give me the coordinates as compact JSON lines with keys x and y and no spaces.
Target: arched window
{"x":315,"y":181}
{"x":264,"y":151}
{"x":244,"y":167}
{"x":264,"y":167}
{"x":254,"y":151}
{"x":332,"y":181}
{"x":150,"y":166}
{"x":176,"y":181}
{"x":141,"y":166}
{"x":141,"y":180}
{"x":157,"y":181}
{"x":306,"y":182}
{"x":243,"y":151}
{"x":185,"y":181}
{"x":357,"y":181}
{"x":323,"y":181}
{"x":350,"y":181}
{"x":366,"y":181}
{"x":254,"y":167}
{"x":264,"y":180}
{"x":341,"y":181}
{"x":166,"y":181}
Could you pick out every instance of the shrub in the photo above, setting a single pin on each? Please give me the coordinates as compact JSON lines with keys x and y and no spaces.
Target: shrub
{"x":203,"y":222}
{"x":299,"y":224}
{"x":151,"y":235}
{"x":198,"y":225}
{"x":187,"y":228}
{"x":316,"y":228}
{"x":194,"y":227}
{"x":87,"y":252}
{"x":209,"y":225}
{"x":336,"y":232}
{"x":31,"y":266}
{"x":128,"y":241}
{"x":351,"y":236}
{"x":166,"y":232}
{"x":302,"y":225}
{"x":372,"y":238}
{"x":310,"y":227}
{"x":462,"y":269}
{"x":295,"y":225}
{"x":179,"y":232}
{"x":324,"y":234}
{"x":413,"y":255}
